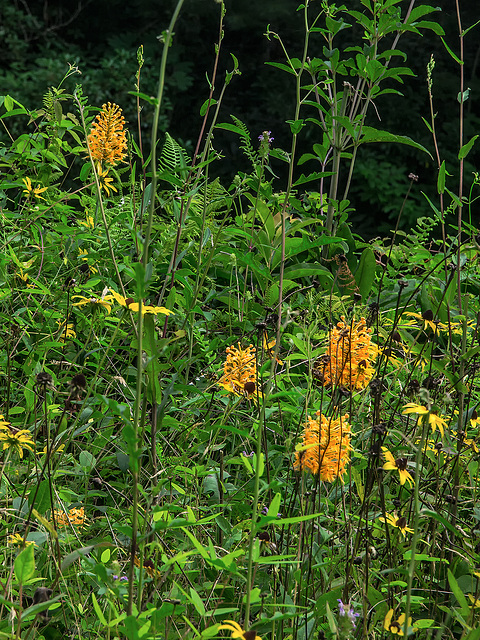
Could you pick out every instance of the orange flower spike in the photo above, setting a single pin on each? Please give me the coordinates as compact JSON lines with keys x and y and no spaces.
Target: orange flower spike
{"x":107,"y":139}
{"x":325,"y":448}
{"x":349,"y":357}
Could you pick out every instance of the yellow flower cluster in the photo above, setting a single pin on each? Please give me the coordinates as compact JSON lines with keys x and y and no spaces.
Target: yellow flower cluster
{"x":107,"y":140}
{"x":349,"y":356}
{"x":240,"y":371}
{"x":74,"y":516}
{"x":325,"y":448}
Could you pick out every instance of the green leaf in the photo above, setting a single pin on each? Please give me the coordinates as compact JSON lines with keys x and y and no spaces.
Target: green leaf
{"x":150,"y":99}
{"x":365,"y":274}
{"x":312,"y":176}
{"x":458,"y":593}
{"x":451,"y":52}
{"x":41,"y":497}
{"x":441,"y":178}
{"x":466,"y":148}
{"x":274,"y":507}
{"x":296,"y":125}
{"x":209,"y":102}
{"x":463,"y":97}
{"x":374,"y":135}
{"x":197,"y":602}
{"x":98,"y":611}
{"x":308,"y":270}
{"x":230,"y":127}
{"x":24,"y":565}
{"x":31,"y":612}
{"x":281,"y":66}
{"x":80,"y":553}
{"x":87,"y":460}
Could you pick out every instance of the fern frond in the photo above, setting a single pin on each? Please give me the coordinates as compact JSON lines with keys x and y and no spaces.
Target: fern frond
{"x":247,"y":147}
{"x":173,"y":158}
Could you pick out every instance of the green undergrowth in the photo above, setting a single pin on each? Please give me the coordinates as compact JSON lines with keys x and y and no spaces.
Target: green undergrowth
{"x":223,"y":412}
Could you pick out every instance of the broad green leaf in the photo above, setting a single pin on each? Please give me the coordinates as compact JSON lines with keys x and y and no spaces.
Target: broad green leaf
{"x":24,"y":565}
{"x":374,"y":135}
{"x":312,"y":176}
{"x":230,"y":127}
{"x":365,"y":274}
{"x":31,"y":612}
{"x":459,"y":595}
{"x":274,"y":507}
{"x":80,"y":553}
{"x":209,"y":102}
{"x":42,"y":497}
{"x":197,"y":602}
{"x":466,"y":148}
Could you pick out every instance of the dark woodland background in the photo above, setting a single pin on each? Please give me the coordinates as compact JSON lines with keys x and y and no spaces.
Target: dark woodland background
{"x":39,"y":37}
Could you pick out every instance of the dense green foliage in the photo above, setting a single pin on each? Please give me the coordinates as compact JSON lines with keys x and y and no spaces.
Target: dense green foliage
{"x":39,"y":39}
{"x":224,"y":411}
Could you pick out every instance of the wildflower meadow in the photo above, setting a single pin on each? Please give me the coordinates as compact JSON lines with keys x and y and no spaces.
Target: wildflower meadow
{"x":224,"y":413}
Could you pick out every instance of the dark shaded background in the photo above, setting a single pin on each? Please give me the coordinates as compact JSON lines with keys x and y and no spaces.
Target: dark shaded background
{"x":37,"y":39}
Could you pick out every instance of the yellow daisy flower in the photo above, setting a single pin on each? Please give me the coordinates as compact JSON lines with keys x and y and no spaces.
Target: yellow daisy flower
{"x":30,"y":190}
{"x":396,"y":626}
{"x":399,"y":464}
{"x":17,"y":439}
{"x":237,"y":631}
{"x":398,"y":523}
{"x":104,"y":302}
{"x":434,"y":420}
{"x":106,"y":181}
{"x":129,"y":303}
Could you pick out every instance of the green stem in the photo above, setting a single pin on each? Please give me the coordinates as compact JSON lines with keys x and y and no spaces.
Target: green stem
{"x":416,"y":526}
{"x":156,"y":116}
{"x":135,"y":460}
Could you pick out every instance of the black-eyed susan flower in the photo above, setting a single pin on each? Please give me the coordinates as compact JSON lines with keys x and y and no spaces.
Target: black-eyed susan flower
{"x":107,"y":139}
{"x":349,"y":356}
{"x":149,"y":567}
{"x":474,"y":419}
{"x":237,"y":631}
{"x":88,"y":222}
{"x":269,"y":347}
{"x":129,"y":303}
{"x":75,"y":516}
{"x":16,"y":540}
{"x":83,"y":254}
{"x":66,"y":330}
{"x":396,"y":626}
{"x":397,"y":522}
{"x":434,"y":420}
{"x":240,"y":371}
{"x":16,"y":439}
{"x":106,"y":181}
{"x":30,"y":190}
{"x":397,"y":464}
{"x":325,"y":448}
{"x":104,"y":301}
{"x":475,"y":602}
